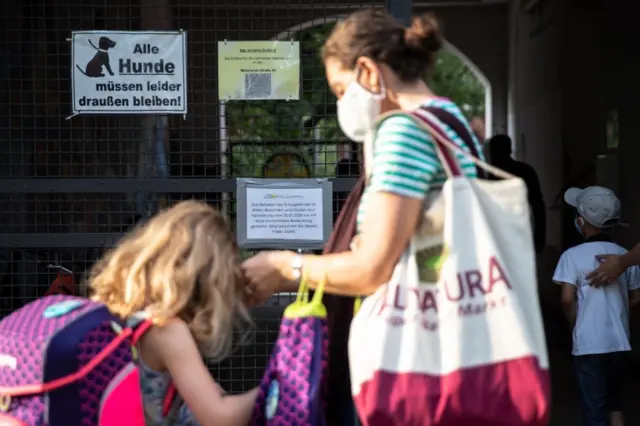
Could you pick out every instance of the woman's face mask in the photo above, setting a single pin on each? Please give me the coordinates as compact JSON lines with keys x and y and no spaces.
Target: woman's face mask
{"x":358,"y":110}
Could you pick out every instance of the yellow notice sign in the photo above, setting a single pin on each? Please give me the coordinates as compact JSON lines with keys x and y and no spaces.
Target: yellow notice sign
{"x":258,"y":70}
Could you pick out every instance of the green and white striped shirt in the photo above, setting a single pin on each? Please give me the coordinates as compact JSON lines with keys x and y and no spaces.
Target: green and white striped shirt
{"x":405,"y":160}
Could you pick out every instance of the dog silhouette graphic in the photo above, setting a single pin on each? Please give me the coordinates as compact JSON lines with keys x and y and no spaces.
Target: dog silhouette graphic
{"x":100,"y":60}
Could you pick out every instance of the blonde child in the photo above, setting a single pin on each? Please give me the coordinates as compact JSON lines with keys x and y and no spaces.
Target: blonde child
{"x":181,"y":270}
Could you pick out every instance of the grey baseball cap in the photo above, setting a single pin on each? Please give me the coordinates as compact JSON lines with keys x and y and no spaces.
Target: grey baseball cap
{"x":597,"y":205}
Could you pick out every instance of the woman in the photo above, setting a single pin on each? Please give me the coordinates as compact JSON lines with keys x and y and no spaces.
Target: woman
{"x":375,"y":65}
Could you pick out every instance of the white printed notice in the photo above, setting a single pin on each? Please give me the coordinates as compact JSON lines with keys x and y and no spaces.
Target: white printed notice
{"x":284,"y":214}
{"x":129,"y":72}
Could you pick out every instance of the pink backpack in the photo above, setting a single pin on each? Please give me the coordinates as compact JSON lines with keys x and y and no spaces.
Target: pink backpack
{"x":67,"y":361}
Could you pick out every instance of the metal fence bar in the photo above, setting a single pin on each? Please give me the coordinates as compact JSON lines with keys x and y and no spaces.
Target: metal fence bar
{"x":70,"y":186}
{"x":59,"y":241}
{"x":400,"y":9}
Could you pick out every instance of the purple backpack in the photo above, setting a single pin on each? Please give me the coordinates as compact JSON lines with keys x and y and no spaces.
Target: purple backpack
{"x":67,"y":361}
{"x":293,"y":389}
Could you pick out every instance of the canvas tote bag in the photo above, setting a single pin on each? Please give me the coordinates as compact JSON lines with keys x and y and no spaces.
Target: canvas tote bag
{"x":456,"y":338}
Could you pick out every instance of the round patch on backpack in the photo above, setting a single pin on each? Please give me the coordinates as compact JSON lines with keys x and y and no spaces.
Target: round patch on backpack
{"x":62,"y":308}
{"x":273,"y":397}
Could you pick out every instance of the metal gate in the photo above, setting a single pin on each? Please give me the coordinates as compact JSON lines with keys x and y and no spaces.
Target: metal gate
{"x":70,"y":188}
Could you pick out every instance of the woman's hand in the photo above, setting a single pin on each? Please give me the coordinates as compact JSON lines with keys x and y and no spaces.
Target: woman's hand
{"x":610,"y":268}
{"x":355,"y":243}
{"x":269,"y":272}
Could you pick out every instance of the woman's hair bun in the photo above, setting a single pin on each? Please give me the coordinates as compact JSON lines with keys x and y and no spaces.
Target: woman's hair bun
{"x":424,"y":34}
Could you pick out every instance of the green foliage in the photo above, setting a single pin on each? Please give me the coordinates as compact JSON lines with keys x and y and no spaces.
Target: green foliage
{"x":258,"y":124}
{"x":257,"y":129}
{"x":453,"y":79}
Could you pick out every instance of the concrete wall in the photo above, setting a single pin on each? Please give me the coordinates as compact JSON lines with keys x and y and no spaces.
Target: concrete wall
{"x":619,"y":41}
{"x":480,"y":33}
{"x":536,"y":99}
{"x":571,"y":63}
{"x":618,"y":38}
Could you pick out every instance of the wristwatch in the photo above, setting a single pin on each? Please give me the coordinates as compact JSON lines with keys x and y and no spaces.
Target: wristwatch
{"x":296,"y":267}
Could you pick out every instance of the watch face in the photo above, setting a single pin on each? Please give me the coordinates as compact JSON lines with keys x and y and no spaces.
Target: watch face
{"x":296,"y":263}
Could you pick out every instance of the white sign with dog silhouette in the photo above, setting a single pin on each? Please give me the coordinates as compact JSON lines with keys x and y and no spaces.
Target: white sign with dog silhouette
{"x":129,"y":72}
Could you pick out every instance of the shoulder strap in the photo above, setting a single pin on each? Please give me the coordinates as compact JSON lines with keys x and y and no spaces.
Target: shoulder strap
{"x":443,"y":143}
{"x":345,"y":225}
{"x":172,"y":400}
{"x":171,"y":416}
{"x":461,"y":130}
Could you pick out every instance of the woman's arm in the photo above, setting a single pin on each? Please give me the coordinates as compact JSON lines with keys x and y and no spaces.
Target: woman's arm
{"x":177,"y":351}
{"x":404,"y":166}
{"x":390,"y":222}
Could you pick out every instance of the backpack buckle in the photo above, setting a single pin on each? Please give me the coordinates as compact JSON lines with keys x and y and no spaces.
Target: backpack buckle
{"x":5,"y":403}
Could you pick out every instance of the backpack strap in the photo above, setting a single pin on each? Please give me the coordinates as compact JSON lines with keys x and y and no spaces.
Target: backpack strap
{"x":172,"y":401}
{"x":171,"y":407}
{"x":139,"y":326}
{"x":461,"y":130}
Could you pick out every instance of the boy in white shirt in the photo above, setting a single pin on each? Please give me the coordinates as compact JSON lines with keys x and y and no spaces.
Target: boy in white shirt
{"x":599,"y":317}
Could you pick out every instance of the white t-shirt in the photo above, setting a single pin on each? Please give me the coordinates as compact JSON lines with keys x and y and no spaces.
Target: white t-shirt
{"x":602,"y":323}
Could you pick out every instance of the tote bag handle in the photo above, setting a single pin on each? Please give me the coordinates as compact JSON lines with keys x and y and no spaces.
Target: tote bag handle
{"x":446,"y":148}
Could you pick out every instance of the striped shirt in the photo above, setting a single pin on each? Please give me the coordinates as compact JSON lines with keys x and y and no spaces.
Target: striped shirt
{"x":405,"y":160}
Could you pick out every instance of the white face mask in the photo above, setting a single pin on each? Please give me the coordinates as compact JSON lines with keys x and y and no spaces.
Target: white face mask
{"x":358,"y":110}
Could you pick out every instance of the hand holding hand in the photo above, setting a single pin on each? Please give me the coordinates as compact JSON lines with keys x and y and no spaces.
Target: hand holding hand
{"x":267,"y":273}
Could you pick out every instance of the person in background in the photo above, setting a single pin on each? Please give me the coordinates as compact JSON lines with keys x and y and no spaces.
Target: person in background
{"x":599,"y":317}
{"x":500,"y":156}
{"x":478,"y":128}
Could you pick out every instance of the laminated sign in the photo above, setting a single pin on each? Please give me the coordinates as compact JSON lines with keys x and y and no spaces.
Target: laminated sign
{"x":129,"y":72}
{"x":253,"y":70}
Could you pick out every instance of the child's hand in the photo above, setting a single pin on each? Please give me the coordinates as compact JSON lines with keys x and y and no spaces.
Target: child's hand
{"x":253,"y":298}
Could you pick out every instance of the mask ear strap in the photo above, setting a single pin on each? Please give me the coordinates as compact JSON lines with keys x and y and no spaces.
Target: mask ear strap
{"x":383,"y":88}
{"x":358,"y":73}
{"x":383,"y":91}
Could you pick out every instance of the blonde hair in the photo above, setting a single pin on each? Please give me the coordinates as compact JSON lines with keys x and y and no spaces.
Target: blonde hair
{"x":184,"y":264}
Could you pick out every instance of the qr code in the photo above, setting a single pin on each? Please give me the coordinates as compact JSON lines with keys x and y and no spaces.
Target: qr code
{"x":257,"y":86}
